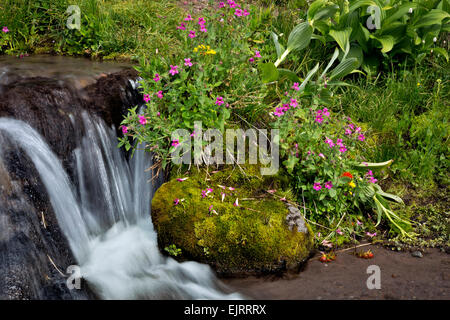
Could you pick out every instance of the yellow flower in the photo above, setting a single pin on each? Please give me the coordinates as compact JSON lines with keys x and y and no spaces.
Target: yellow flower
{"x":352,"y":184}
{"x":418,"y":84}
{"x":210,"y":52}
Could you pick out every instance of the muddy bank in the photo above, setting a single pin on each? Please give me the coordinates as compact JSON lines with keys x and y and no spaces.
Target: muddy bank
{"x":402,"y":277}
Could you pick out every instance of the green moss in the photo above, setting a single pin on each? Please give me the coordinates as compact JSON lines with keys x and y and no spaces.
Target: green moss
{"x":250,"y":237}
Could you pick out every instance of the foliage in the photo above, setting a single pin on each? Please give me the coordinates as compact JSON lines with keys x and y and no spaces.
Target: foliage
{"x":173,"y":250}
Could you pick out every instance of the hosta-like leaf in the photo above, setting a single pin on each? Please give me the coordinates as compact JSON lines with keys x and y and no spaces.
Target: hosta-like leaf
{"x":398,"y":13}
{"x":387,"y":42}
{"x":435,"y":16}
{"x":308,"y":76}
{"x":341,"y":36}
{"x":300,"y":36}
{"x":289,"y":74}
{"x":345,"y":67}
{"x":333,"y":58}
{"x":268,"y":72}
{"x":314,"y":8}
{"x":442,"y":52}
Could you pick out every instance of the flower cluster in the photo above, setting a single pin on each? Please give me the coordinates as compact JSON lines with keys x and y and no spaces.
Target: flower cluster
{"x":204,"y":50}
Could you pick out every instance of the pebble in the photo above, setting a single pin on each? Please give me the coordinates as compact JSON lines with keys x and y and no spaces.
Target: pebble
{"x":417,"y":254}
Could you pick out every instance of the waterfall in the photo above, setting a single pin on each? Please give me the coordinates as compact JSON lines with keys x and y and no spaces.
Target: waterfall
{"x":105,"y":216}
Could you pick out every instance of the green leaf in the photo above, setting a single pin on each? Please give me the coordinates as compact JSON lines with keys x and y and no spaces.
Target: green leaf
{"x":308,"y":76}
{"x":326,"y":12}
{"x":314,"y":8}
{"x":375,"y":165}
{"x":341,"y":36}
{"x":442,"y":52}
{"x":387,"y":42}
{"x":278,"y":47}
{"x":289,"y":74}
{"x":300,"y":37}
{"x":330,"y":63}
{"x":344,"y":68}
{"x":435,"y":16}
{"x":399,"y":13}
{"x":269,"y":72}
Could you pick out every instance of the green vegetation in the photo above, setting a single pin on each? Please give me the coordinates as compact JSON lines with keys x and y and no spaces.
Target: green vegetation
{"x":392,"y":82}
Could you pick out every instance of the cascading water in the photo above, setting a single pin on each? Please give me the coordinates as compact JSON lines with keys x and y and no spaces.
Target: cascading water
{"x":105,"y":216}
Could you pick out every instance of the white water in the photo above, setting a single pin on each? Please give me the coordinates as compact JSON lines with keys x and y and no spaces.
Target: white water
{"x":106,"y":218}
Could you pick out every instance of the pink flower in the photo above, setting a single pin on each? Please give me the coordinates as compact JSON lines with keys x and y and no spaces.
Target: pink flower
{"x":147,"y":98}
{"x":321,"y":155}
{"x":351,"y":125}
{"x":317,"y":186}
{"x":293,"y":103}
{"x":342,"y":149}
{"x":329,"y":142}
{"x":257,"y":54}
{"x":339,"y":142}
{"x":219,"y":101}
{"x":221,"y":4}
{"x":246,"y":13}
{"x":210,"y":208}
{"x":319,"y":119}
{"x":231,"y":188}
{"x":238,"y":13}
{"x":124,"y":129}
{"x":182,"y":26}
{"x":182,"y":179}
{"x":223,"y":196}
{"x":176,"y":201}
{"x":5,"y":29}
{"x":326,"y":113}
{"x":361,"y":137}
{"x":203,"y":29}
{"x":175,"y":142}
{"x":142,"y":120}
{"x":359,"y":223}
{"x":278,"y":112}
{"x":348,"y":131}
{"x":371,"y":234}
{"x":188,"y":18}
{"x":192,"y":134}
{"x":339,"y":231}
{"x":328,"y":185}
{"x":173,"y":70}
{"x":201,"y":21}
{"x":372,"y":180}
{"x":156,"y":78}
{"x":232,"y":4}
{"x":296,"y":86}
{"x":358,"y":130}
{"x":236,"y":203}
{"x":251,"y":60}
{"x":158,"y":114}
{"x":160,"y":94}
{"x":187,"y":62}
{"x":192,"y":34}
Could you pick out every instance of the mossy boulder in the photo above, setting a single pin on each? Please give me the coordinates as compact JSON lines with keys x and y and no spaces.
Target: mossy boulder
{"x":253,"y":235}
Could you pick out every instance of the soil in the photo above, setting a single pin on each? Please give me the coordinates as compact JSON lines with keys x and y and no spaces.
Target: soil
{"x":403,"y":276}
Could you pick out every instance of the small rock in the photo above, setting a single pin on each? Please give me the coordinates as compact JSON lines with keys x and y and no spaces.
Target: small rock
{"x":417,"y":254}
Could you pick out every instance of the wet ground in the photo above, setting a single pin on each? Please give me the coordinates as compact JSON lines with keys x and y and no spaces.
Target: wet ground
{"x":402,"y":276}
{"x":79,"y":72}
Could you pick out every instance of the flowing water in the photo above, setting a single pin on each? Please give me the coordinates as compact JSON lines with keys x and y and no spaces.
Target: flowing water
{"x":105,"y":216}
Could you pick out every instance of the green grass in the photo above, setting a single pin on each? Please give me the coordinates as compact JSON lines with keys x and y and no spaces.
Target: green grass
{"x":122,"y":29}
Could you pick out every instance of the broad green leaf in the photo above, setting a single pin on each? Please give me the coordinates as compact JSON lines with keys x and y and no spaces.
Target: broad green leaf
{"x":387,"y":42}
{"x":289,"y":74}
{"x":442,"y":52}
{"x":268,"y":72}
{"x":345,"y":67}
{"x":362,"y":3}
{"x":326,"y":12}
{"x":435,"y":16}
{"x":400,"y":12}
{"x":341,"y":36}
{"x":314,"y":8}
{"x":300,"y":37}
